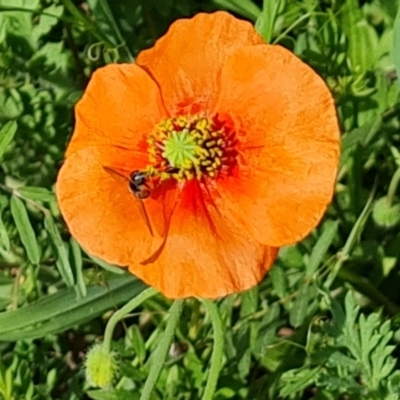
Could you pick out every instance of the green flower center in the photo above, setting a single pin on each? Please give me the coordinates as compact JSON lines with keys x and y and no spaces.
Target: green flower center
{"x":190,"y":147}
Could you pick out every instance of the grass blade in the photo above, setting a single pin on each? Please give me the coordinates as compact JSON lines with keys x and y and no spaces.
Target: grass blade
{"x":62,"y":263}
{"x":25,"y":230}
{"x":60,"y":311}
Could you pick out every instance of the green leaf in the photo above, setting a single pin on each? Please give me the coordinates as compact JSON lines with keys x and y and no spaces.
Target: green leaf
{"x":386,"y":215}
{"x":362,"y":37}
{"x":113,"y":394}
{"x":390,"y":7}
{"x":249,"y":302}
{"x":279,"y":280}
{"x":48,"y":18}
{"x":77,"y":262}
{"x":105,"y":20}
{"x":396,"y":44}
{"x":62,"y":262}
{"x":297,"y":380}
{"x":7,"y":133}
{"x":243,"y":7}
{"x":137,"y":343}
{"x":157,"y":358}
{"x":362,"y":135}
{"x":6,"y":292}
{"x":108,"y":267}
{"x":299,"y":310}
{"x":36,"y":193}
{"x":291,"y":257}
{"x":4,"y":238}
{"x":60,"y":311}
{"x":266,"y":20}
{"x":330,"y":229}
{"x":25,"y":230}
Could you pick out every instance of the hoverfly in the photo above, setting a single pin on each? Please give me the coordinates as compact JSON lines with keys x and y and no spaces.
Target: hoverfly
{"x":139,"y":186}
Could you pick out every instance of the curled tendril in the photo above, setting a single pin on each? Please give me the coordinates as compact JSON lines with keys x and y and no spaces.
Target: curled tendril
{"x":111,"y":55}
{"x":94,"y":51}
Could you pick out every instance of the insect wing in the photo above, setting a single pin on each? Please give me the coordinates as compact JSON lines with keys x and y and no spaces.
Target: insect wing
{"x":145,"y":216}
{"x":119,"y":175}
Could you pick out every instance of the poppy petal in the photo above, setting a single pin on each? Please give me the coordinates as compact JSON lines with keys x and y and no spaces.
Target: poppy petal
{"x":99,"y":210}
{"x":286,"y":124}
{"x":206,"y":253}
{"x":119,"y":107}
{"x":187,"y":60}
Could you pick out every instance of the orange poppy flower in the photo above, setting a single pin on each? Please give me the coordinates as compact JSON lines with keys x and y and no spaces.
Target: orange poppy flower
{"x":229,"y":146}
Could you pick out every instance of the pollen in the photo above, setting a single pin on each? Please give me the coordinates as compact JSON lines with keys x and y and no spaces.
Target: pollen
{"x":190,"y":147}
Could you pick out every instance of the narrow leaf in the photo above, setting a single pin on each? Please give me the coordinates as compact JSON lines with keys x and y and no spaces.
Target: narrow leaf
{"x":25,"y":230}
{"x":396,"y":44}
{"x":266,"y":20}
{"x":279,"y":280}
{"x":160,"y":353}
{"x":36,"y":193}
{"x":363,"y":39}
{"x":76,"y":258}
{"x":107,"y":267}
{"x":322,"y":246}
{"x":4,"y":238}
{"x":300,"y":306}
{"x":60,"y":311}
{"x":243,"y":7}
{"x":7,"y":133}
{"x":62,"y":263}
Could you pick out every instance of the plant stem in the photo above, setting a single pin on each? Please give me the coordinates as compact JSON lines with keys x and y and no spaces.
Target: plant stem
{"x":351,"y":240}
{"x":218,"y":351}
{"x":394,"y":183}
{"x":159,"y":355}
{"x":121,"y":314}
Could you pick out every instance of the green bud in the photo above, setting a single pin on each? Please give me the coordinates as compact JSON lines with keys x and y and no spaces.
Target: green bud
{"x":100,"y":367}
{"x":385,"y":215}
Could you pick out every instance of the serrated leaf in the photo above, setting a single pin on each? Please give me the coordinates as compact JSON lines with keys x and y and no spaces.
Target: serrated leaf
{"x":25,"y":230}
{"x":341,"y":360}
{"x":297,"y":380}
{"x":7,"y":133}
{"x":48,"y":18}
{"x":61,"y":249}
{"x":367,"y":339}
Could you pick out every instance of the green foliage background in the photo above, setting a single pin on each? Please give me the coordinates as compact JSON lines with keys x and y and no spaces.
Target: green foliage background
{"x":325,"y":322}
